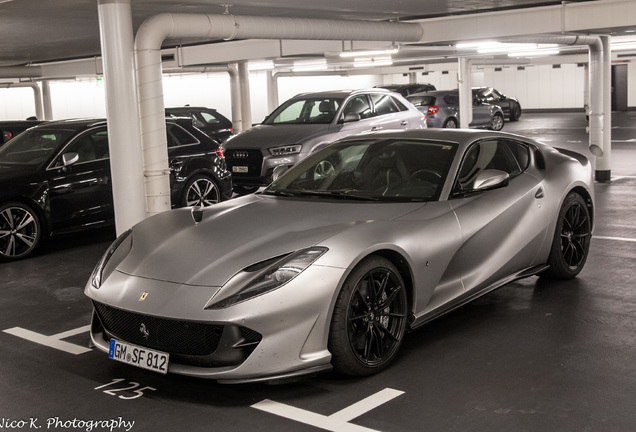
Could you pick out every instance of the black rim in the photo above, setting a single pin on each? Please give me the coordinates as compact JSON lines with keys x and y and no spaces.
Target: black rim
{"x":202,"y":193}
{"x":376,"y":317}
{"x":18,"y":232}
{"x":575,"y":235}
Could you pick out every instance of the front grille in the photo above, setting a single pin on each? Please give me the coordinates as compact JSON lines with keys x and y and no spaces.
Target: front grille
{"x":250,"y":158}
{"x":173,"y":336}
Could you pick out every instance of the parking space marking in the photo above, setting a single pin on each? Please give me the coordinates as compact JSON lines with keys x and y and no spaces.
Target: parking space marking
{"x":337,"y":422}
{"x":54,"y":341}
{"x":624,"y":239}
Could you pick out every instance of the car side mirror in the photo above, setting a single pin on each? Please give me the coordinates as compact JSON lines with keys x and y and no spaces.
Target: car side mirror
{"x":491,"y":179}
{"x":69,"y":158}
{"x":350,"y":117}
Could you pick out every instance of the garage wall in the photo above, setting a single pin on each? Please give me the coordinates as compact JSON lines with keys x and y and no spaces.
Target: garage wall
{"x":85,"y":97}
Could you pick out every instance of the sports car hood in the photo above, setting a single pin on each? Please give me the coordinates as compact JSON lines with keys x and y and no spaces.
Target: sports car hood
{"x":265,"y":136}
{"x":241,"y":232}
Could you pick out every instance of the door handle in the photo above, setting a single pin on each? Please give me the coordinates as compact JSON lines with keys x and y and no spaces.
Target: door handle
{"x":404,"y":123}
{"x":376,"y":128}
{"x":539,"y":194}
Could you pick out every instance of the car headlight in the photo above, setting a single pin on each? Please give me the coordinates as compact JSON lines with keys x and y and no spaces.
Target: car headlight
{"x":285,"y":150}
{"x":265,"y":276}
{"x":113,"y":256}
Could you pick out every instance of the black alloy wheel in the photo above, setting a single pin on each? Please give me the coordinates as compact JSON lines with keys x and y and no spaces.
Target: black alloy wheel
{"x":571,"y":242}
{"x":369,"y":319}
{"x":200,"y":191}
{"x":20,"y":231}
{"x":515,"y":112}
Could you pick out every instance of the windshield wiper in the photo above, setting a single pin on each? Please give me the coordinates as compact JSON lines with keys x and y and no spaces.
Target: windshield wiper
{"x":335,"y":194}
{"x":277,"y":192}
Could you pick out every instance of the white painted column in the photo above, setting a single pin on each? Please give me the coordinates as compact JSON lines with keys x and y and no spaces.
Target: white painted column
{"x":465,"y":93}
{"x":235,"y":96}
{"x":272,"y":91}
{"x":122,"y":111}
{"x":46,"y":100}
{"x":603,"y":163}
{"x":246,"y":105}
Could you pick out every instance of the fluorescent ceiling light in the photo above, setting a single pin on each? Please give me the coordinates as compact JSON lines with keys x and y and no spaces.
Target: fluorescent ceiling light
{"x":623,"y":46}
{"x":368,"y":53}
{"x":310,"y":65}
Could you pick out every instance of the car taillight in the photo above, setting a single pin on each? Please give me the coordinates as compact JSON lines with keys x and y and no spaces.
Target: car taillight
{"x":219,"y":153}
{"x":432,"y":110}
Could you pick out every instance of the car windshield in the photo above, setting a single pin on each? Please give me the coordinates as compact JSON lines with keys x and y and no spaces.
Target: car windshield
{"x":307,"y":110}
{"x":33,"y":147}
{"x":401,"y":170}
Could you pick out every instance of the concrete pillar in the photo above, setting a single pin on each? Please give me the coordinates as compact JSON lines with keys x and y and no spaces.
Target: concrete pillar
{"x":272,"y":92}
{"x":246,"y":106}
{"x":465,"y":93}
{"x":122,"y":111}
{"x":603,"y":171}
{"x":46,"y":100}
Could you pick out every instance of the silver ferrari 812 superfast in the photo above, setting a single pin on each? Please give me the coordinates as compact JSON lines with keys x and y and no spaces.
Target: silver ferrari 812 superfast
{"x":341,"y":255}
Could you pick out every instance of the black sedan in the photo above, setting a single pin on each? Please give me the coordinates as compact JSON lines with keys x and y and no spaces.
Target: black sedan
{"x":55,"y":178}
{"x":510,"y":106}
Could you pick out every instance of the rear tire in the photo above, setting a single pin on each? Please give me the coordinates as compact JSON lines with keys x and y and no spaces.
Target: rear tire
{"x":369,"y":318}
{"x":515,"y":112}
{"x":451,"y":123}
{"x":201,"y":190}
{"x":571,"y":241}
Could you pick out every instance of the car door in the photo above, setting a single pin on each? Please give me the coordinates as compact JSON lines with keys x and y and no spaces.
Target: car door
{"x":481,"y":113}
{"x":503,"y":229}
{"x":81,"y":194}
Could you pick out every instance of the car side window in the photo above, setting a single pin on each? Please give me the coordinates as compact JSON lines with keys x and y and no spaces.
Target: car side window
{"x":209,"y":118}
{"x":359,"y":105}
{"x":491,"y":155}
{"x":383,"y":104}
{"x":89,"y":146}
{"x":399,"y":104}
{"x":177,"y":136}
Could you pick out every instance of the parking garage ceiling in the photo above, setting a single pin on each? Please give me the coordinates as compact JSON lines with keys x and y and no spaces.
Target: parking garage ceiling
{"x":38,"y":31}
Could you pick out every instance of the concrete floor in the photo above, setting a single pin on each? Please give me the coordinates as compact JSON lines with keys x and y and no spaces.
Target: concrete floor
{"x":532,"y":356}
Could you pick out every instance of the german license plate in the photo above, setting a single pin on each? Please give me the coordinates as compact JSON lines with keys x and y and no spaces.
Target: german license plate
{"x":239,"y":169}
{"x":139,"y":356}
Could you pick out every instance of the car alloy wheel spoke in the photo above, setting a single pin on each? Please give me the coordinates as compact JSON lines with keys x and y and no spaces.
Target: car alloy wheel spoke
{"x":574,"y":235}
{"x":27,"y":239}
{"x":8,"y":217}
{"x":200,"y":192}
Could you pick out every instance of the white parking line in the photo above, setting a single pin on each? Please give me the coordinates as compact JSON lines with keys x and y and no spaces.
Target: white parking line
{"x":624,"y":239}
{"x":337,"y":422}
{"x":54,"y":341}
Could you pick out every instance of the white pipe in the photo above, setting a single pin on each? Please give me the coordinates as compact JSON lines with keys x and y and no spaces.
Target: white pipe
{"x":156,"y":29}
{"x":115,"y":24}
{"x":37,"y":95}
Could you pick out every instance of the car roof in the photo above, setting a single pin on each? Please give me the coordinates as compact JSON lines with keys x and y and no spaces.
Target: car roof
{"x":341,"y":93}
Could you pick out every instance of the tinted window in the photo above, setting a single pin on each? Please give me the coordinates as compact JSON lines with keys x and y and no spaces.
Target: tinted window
{"x":422,"y":100}
{"x":452,"y":99}
{"x":491,"y":155}
{"x":177,"y":136}
{"x":311,"y":110}
{"x":400,"y":105}
{"x":90,"y":146}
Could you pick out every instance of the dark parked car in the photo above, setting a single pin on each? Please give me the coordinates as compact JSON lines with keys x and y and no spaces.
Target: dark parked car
{"x":309,"y":122}
{"x":442,"y":110}
{"x":55,"y":178}
{"x":510,"y":106}
{"x":408,"y":89}
{"x":209,"y":120}
{"x":11,"y":128}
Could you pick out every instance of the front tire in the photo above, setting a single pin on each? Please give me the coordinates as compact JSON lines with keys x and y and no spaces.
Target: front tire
{"x":515,"y":112}
{"x":369,"y":318}
{"x":20,"y":231}
{"x":571,"y":241}
{"x":497,"y":122}
{"x":201,"y":190}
